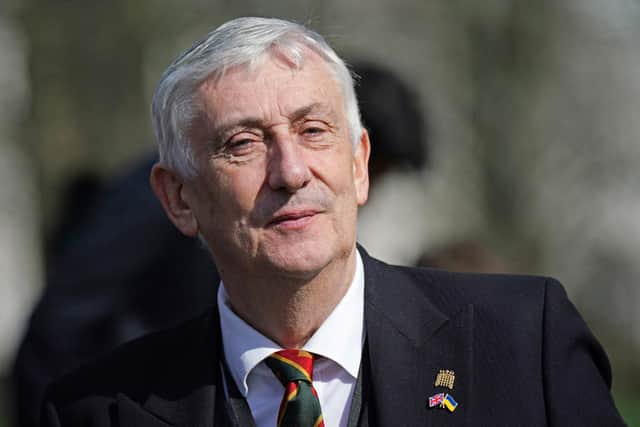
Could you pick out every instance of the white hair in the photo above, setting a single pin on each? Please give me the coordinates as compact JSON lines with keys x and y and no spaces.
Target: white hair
{"x":239,"y":42}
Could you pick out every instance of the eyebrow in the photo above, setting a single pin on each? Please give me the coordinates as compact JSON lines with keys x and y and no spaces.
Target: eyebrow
{"x":219,"y":131}
{"x":319,"y":107}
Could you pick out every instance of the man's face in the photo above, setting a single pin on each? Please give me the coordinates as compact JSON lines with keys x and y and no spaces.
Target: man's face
{"x":278,"y":182}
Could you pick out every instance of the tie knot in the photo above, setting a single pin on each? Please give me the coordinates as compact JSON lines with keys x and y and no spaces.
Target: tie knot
{"x":291,"y":366}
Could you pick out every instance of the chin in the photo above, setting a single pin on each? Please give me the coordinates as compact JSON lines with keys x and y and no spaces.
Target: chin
{"x":303,"y":259}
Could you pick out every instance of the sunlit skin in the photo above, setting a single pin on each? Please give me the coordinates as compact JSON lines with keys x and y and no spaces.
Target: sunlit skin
{"x":276,"y":196}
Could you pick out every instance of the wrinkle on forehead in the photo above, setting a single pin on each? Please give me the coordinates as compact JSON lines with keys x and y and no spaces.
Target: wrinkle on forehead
{"x":221,"y":130}
{"x":239,"y":73}
{"x":279,"y":56}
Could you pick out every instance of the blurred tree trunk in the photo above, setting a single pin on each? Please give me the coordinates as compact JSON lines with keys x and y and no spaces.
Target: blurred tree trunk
{"x":19,"y":214}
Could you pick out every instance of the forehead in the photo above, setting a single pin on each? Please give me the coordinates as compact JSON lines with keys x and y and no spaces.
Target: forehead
{"x":273,"y":87}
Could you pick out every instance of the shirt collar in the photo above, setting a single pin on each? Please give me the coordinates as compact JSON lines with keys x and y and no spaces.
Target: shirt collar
{"x":339,"y":338}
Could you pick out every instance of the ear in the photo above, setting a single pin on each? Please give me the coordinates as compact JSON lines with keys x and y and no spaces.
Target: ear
{"x":169,"y":188}
{"x":361,"y":168}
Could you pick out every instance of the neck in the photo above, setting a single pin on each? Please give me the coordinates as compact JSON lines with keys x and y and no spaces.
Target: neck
{"x":288,"y":310}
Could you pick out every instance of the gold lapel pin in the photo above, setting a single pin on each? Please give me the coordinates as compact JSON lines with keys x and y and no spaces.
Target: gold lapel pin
{"x":445,"y":378}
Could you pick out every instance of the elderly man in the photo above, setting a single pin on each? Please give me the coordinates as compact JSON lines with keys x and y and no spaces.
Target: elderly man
{"x":262,"y":156}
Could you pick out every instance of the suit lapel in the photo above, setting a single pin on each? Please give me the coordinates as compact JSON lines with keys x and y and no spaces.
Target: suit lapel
{"x":451,"y":348}
{"x":194,"y":409}
{"x":194,"y":400}
{"x":131,"y":414}
{"x":410,"y":340}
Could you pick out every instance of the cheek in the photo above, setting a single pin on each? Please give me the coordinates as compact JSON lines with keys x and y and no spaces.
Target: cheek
{"x":243,"y":188}
{"x":335,"y":168}
{"x":236,"y":192}
{"x":225,"y":217}
{"x":337,"y":174}
{"x":343,"y":180}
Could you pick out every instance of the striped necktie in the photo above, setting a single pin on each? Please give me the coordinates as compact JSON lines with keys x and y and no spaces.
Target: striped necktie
{"x":300,"y":406}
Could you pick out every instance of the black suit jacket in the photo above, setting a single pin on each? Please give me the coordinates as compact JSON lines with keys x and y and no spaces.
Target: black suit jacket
{"x":521,"y":353}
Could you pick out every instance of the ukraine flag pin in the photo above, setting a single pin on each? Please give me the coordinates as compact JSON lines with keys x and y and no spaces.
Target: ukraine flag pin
{"x":449,"y":403}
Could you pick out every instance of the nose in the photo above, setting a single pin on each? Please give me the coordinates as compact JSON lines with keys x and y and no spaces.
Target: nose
{"x":287,"y":168}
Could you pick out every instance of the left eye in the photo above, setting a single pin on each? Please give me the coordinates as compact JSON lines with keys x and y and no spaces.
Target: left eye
{"x":313,"y":131}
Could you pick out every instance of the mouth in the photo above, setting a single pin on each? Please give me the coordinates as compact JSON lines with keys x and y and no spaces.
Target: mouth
{"x":292,"y":220}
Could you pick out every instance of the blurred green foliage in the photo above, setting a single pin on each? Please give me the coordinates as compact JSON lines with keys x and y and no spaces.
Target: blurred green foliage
{"x":629,"y":407}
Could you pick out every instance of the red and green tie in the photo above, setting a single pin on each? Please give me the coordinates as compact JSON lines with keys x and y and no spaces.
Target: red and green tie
{"x":300,"y":406}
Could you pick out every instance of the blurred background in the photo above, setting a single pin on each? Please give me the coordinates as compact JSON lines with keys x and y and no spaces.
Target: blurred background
{"x":530,"y":111}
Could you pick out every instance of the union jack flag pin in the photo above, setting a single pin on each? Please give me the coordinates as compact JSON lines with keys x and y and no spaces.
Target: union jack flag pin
{"x":436,"y":400}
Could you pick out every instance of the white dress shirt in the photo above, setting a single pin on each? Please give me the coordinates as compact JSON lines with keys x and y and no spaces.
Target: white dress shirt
{"x":339,"y":340}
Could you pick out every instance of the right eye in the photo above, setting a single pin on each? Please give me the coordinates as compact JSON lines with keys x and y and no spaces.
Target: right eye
{"x":240,"y":145}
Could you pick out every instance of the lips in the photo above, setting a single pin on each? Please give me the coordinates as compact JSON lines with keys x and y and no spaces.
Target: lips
{"x":292,"y":219}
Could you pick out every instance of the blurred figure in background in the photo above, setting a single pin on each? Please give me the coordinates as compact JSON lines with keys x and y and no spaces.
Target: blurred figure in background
{"x":391,"y":112}
{"x":115,"y":274}
{"x":121,"y":270}
{"x":392,"y":224}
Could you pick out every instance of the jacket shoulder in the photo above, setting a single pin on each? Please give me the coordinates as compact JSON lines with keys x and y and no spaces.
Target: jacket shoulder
{"x":447,"y":289}
{"x":162,"y":362}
